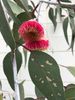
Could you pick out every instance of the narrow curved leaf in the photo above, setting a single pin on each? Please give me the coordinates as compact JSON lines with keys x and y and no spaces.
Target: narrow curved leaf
{"x":71,"y":13}
{"x":8,"y":69}
{"x":18,"y":59}
{"x":19,"y":3}
{"x":72,"y":24}
{"x":72,"y":41}
{"x":30,"y":8}
{"x":52,"y":17}
{"x":5,"y":29}
{"x":9,"y":10}
{"x":21,"y":89}
{"x":24,"y":5}
{"x":65,"y":0}
{"x":45,"y":74}
{"x":25,"y":55}
{"x":55,"y":13}
{"x":14,"y":7}
{"x":71,"y":69}
{"x":70,"y":92}
{"x":65,"y":26}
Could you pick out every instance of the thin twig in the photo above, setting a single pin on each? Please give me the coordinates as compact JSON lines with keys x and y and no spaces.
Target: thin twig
{"x":62,"y":4}
{"x":66,"y":66}
{"x":63,"y":66}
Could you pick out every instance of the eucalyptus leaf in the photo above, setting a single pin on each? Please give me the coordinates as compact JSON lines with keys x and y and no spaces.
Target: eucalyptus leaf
{"x":14,"y":7}
{"x":25,"y":3}
{"x":8,"y":69}
{"x":73,"y":32}
{"x":5,"y":29}
{"x":19,"y":3}
{"x":9,"y":10}
{"x":25,"y":55}
{"x":30,"y":8}
{"x":65,"y":0}
{"x":72,"y":70}
{"x":52,"y":17}
{"x":45,"y":74}
{"x":18,"y":59}
{"x":70,"y":92}
{"x":72,"y":41}
{"x":21,"y":88}
{"x":55,"y":13}
{"x":65,"y":26}
{"x":24,"y":6}
{"x":71,"y":13}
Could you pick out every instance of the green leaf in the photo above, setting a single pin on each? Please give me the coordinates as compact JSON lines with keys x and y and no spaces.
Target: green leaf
{"x":45,"y":74}
{"x":39,"y":94}
{"x":5,"y":29}
{"x":21,"y":88}
{"x":20,"y":3}
{"x":14,"y":7}
{"x":22,"y":17}
{"x":52,"y":17}
{"x":65,"y":0}
{"x":9,"y":10}
{"x":30,"y":8}
{"x":25,"y":3}
{"x":73,"y":32}
{"x":65,"y":26}
{"x":72,"y":41}
{"x":71,"y":13}
{"x":1,"y":97}
{"x":8,"y":69}
{"x":72,"y":70}
{"x":70,"y":92}
{"x":55,"y":13}
{"x":18,"y":59}
{"x":25,"y":55}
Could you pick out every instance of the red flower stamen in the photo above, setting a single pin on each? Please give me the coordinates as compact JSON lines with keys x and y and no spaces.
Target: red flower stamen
{"x":33,"y":35}
{"x":31,"y":31}
{"x":37,"y":45}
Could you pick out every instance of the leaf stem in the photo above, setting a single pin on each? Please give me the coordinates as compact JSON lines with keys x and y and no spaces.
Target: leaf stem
{"x":17,"y":93}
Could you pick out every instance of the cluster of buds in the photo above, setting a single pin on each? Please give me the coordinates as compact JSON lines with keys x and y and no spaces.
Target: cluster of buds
{"x":33,"y":36}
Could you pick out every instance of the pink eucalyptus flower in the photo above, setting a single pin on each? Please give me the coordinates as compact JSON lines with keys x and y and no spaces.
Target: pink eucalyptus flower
{"x":31,"y":31}
{"x":36,"y":45}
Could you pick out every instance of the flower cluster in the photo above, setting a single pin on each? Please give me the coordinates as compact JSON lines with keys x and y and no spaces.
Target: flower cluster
{"x":33,"y":35}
